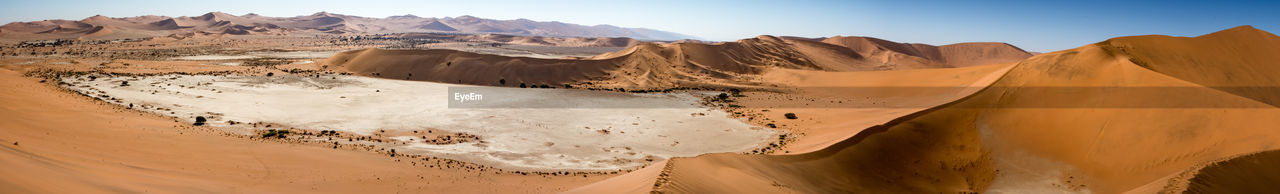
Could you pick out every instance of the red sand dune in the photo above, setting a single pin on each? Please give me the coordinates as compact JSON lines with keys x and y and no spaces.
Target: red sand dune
{"x":651,"y":65}
{"x":997,"y":140}
{"x":529,"y":40}
{"x":1130,"y":114}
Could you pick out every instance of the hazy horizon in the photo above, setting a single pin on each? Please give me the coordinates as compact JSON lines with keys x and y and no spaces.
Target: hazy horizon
{"x":1033,"y":26}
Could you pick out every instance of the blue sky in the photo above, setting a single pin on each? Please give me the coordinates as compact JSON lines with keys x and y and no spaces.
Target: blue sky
{"x":1033,"y":25}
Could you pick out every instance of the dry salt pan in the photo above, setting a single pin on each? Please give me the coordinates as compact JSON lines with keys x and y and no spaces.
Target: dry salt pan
{"x":569,"y":132}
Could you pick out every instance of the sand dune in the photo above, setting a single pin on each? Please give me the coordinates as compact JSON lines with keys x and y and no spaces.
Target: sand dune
{"x":1136,"y":114}
{"x":820,"y":127}
{"x":529,"y":40}
{"x":1240,"y":60}
{"x":437,"y":26}
{"x":881,"y":96}
{"x":1017,"y":136}
{"x":647,"y":66}
{"x":322,"y":22}
{"x":451,"y":66}
{"x":923,"y":55}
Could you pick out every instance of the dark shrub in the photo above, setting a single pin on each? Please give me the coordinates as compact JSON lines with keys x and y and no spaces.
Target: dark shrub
{"x":199,"y":121}
{"x":269,"y":74}
{"x":275,"y":133}
{"x":790,"y":115}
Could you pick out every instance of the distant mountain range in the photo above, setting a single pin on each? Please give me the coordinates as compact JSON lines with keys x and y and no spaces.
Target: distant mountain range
{"x":102,"y":27}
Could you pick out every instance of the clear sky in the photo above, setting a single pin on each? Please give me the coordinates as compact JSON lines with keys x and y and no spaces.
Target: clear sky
{"x":1033,"y":25}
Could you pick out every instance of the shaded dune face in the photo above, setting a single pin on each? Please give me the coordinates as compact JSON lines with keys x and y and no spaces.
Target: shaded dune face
{"x":449,"y":66}
{"x":1252,"y":173}
{"x":645,"y":66}
{"x":1024,"y":133}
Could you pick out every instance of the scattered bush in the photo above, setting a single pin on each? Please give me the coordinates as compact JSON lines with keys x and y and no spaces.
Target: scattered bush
{"x":790,"y":115}
{"x":266,"y":62}
{"x":269,"y":74}
{"x":523,"y":86}
{"x":723,"y":97}
{"x":275,"y":133}
{"x":328,"y":132}
{"x":199,"y":121}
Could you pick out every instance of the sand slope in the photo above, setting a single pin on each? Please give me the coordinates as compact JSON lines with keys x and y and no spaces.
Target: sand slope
{"x":1026,"y":133}
{"x":879,"y":96}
